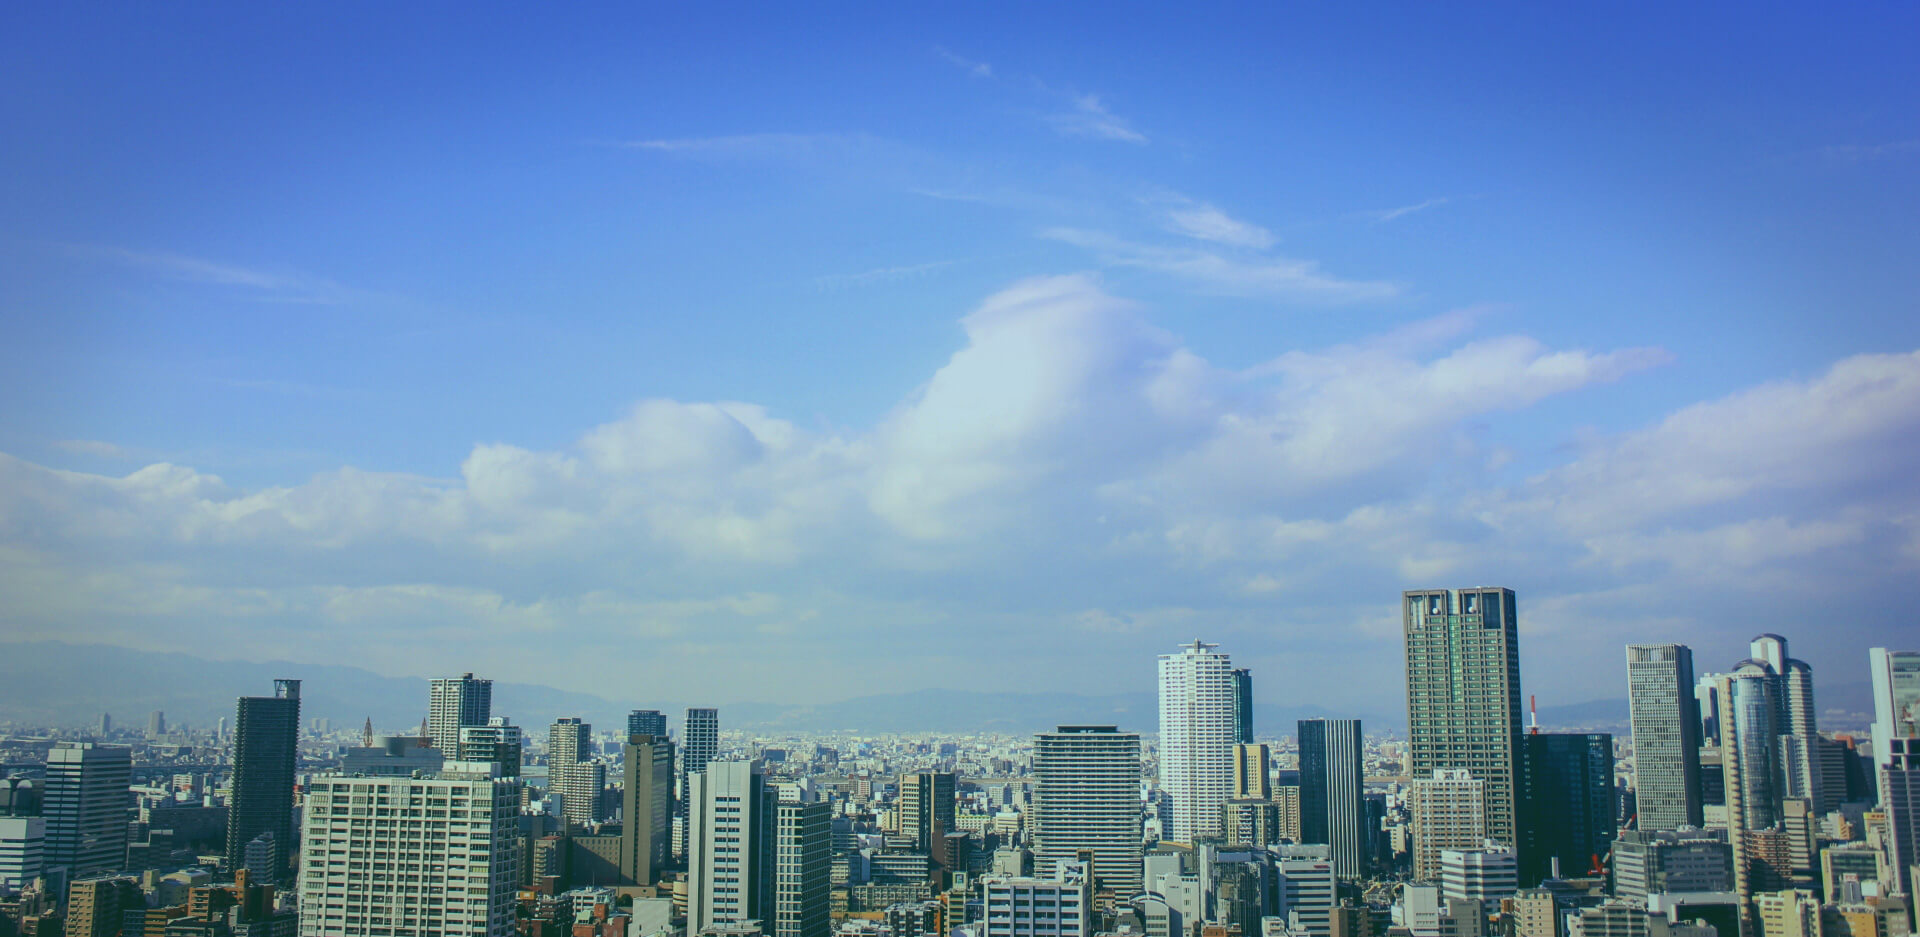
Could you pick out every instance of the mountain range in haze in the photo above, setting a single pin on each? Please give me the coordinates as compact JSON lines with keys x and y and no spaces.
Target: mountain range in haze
{"x":52,"y":683}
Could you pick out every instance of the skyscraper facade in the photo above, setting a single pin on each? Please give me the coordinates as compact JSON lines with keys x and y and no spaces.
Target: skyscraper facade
{"x":1332,"y":796}
{"x":570,"y":770}
{"x":647,"y":722}
{"x":730,"y":850}
{"x":702,"y":740}
{"x":1568,"y":806}
{"x":803,"y":869}
{"x":1449,"y":812}
{"x":1243,"y":706}
{"x":1198,"y":724}
{"x":455,"y":702}
{"x":1665,"y":716}
{"x":1900,"y":796}
{"x":438,"y":856}
{"x":1086,"y":799}
{"x":926,"y":808}
{"x":1463,"y":694}
{"x":1251,"y":779}
{"x":266,"y":745}
{"x":646,"y":808}
{"x":85,"y":807}
{"x":1896,"y":699}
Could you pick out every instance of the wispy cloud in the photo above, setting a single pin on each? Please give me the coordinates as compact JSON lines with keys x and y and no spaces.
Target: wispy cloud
{"x":1240,"y":275}
{"x":844,"y":281}
{"x":1864,"y":152}
{"x":971,"y":67}
{"x":1388,"y":214}
{"x":277,"y":285}
{"x":1089,"y":117}
{"x":754,"y":145}
{"x":92,"y":447}
{"x":1207,"y":223}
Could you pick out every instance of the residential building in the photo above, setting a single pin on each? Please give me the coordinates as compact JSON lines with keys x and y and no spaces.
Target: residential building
{"x":701,"y":740}
{"x":87,"y":806}
{"x":453,"y":703}
{"x":1197,"y":734}
{"x":1251,"y":764}
{"x":412,"y":856}
{"x":571,"y":772}
{"x":498,"y":742}
{"x":926,"y":808}
{"x":1057,"y":906}
{"x":1449,"y":812}
{"x":730,"y":848}
{"x":1086,"y":800}
{"x":1463,"y":693}
{"x":1665,"y":716}
{"x":97,"y":906}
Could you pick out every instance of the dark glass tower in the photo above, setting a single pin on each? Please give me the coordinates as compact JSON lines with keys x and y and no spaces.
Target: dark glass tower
{"x":266,"y":741}
{"x":647,"y":722}
{"x":1332,"y":801}
{"x":1243,"y":706}
{"x":1463,"y":693}
{"x":1567,"y":804}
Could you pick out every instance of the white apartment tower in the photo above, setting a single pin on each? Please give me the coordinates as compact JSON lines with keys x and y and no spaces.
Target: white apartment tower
{"x":454,"y":702}
{"x":1086,"y":800}
{"x":730,"y":833}
{"x":411,"y":857}
{"x":1197,"y":732}
{"x":570,"y":770}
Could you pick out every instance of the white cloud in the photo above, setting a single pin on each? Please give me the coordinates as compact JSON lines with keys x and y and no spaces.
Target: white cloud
{"x":1208,"y":223}
{"x":1089,"y":117}
{"x":1235,"y":275}
{"x":971,"y":67}
{"x":1389,"y":214}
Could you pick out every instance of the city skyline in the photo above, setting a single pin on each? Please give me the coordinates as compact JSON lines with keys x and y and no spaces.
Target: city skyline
{"x":692,"y":343}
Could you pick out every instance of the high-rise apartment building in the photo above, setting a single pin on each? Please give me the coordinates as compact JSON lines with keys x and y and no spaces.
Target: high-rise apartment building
{"x":571,"y":771}
{"x":1332,"y":796}
{"x":1243,"y":706}
{"x":266,"y":748}
{"x":1665,"y":716}
{"x":1086,"y":801}
{"x":96,"y":906}
{"x":1060,"y":905}
{"x":86,"y":807}
{"x":1449,"y":812}
{"x":730,"y":846}
{"x":926,"y":808}
{"x":1568,"y":808}
{"x":1197,"y":732}
{"x":1896,"y":699}
{"x":1251,"y":777}
{"x":411,"y":857}
{"x":803,"y":869}
{"x":455,"y":702}
{"x":647,"y":722}
{"x":701,"y":740}
{"x":1463,"y":694}
{"x":646,"y":808}
{"x":498,"y":742}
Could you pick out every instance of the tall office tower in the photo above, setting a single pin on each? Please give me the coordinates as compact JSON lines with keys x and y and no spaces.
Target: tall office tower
{"x":1243,"y":706}
{"x":803,"y":869}
{"x":1666,"y":735}
{"x":453,"y":702}
{"x":701,"y":740}
{"x":1331,"y":793}
{"x":85,"y":807}
{"x":1086,"y":800}
{"x":646,"y":808}
{"x":647,"y":722}
{"x":1463,"y":694}
{"x":1197,"y":726}
{"x":1900,"y":798}
{"x":1251,"y":779}
{"x":440,"y":854}
{"x":1568,"y":808}
{"x":730,"y":851}
{"x":571,"y":771}
{"x":1793,"y":681}
{"x":926,"y":808}
{"x":499,"y":742}
{"x":1896,"y":699}
{"x":1449,"y":812}
{"x":1749,"y":742}
{"x":266,"y":750}
{"x":156,"y":724}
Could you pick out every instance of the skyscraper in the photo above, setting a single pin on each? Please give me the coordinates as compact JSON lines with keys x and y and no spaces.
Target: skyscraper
{"x":378,"y":875}
{"x":1250,"y":772}
{"x":1243,"y":706}
{"x":453,"y":702}
{"x":1086,"y":800}
{"x":1793,"y":684}
{"x":570,"y":770}
{"x":1896,"y":699}
{"x":1463,"y":693}
{"x":85,"y":807}
{"x":1449,"y":812}
{"x":1332,"y":801}
{"x":647,"y":722}
{"x":1666,"y":735}
{"x":1198,"y":724}
{"x":803,"y":869}
{"x":498,"y":742}
{"x":266,"y":748}
{"x":1900,"y":796}
{"x":1568,"y":806}
{"x":926,"y":808}
{"x":646,"y":808}
{"x":730,"y":852}
{"x":702,"y":740}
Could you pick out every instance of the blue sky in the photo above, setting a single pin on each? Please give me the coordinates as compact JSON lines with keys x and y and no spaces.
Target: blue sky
{"x":889,"y":340}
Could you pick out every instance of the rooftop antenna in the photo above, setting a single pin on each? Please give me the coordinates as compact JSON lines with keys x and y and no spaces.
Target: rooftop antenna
{"x":1533,"y":708}
{"x":366,"y":734}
